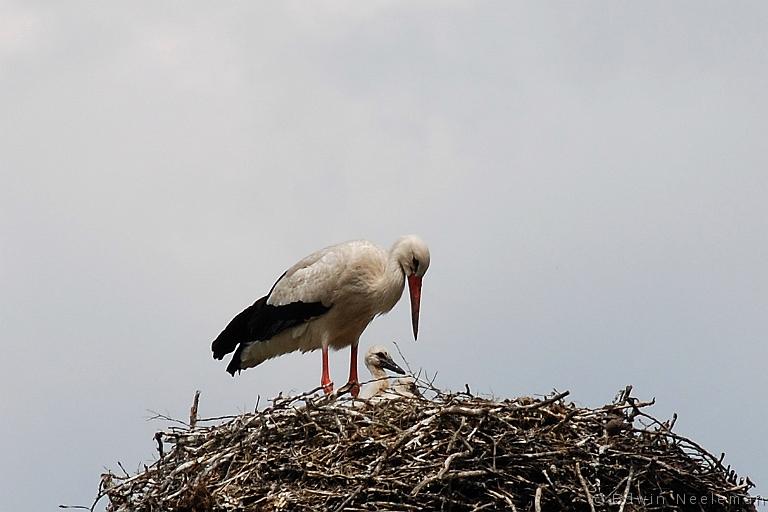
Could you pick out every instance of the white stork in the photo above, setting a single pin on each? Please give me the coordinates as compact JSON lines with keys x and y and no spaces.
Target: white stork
{"x":377,"y":359}
{"x":326,"y":300}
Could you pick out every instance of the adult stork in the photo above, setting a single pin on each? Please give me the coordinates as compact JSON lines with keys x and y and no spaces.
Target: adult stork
{"x":326,"y":300}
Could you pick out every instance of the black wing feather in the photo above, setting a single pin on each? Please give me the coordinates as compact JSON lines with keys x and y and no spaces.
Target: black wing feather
{"x":260,"y":322}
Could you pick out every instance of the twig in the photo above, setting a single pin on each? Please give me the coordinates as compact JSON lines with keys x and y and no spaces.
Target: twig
{"x":544,"y":403}
{"x":586,"y":488}
{"x":626,"y":489}
{"x":193,"y":410}
{"x":537,"y":499}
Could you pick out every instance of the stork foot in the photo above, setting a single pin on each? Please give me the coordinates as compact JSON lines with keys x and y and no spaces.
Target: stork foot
{"x":352,"y":386}
{"x":327,"y":387}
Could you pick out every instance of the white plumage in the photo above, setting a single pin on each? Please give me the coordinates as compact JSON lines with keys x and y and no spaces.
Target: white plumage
{"x":326,"y":300}
{"x":377,"y":360}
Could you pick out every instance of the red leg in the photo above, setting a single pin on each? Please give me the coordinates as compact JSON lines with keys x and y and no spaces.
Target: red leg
{"x":325,"y":380}
{"x":353,"y":383}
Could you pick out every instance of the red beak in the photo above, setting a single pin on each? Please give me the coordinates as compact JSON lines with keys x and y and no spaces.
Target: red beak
{"x":414,"y":286}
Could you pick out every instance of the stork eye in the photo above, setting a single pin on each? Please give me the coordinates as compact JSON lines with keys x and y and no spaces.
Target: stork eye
{"x":415,"y":264}
{"x":381,"y":355}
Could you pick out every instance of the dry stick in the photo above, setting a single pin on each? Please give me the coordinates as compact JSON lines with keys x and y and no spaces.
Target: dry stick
{"x":158,"y":416}
{"x":349,"y":498}
{"x":280,"y":403}
{"x":407,"y":364}
{"x":193,"y":410}
{"x":555,"y":490}
{"x":539,"y":405}
{"x":626,"y":490}
{"x":456,"y":434}
{"x":218,"y":418}
{"x":124,"y":471}
{"x":565,"y":420}
{"x":537,"y":499}
{"x":673,"y":421}
{"x":678,"y":437}
{"x":624,"y":394}
{"x":505,"y":497}
{"x":585,"y":487}
{"x":159,"y":440}
{"x":440,"y":474}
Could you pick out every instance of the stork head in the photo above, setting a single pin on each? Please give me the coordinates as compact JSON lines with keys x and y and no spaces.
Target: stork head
{"x":413,"y":256}
{"x":378,"y":358}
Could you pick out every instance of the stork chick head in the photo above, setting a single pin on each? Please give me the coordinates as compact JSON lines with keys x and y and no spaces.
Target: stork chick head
{"x":413,"y":256}
{"x":377,"y":359}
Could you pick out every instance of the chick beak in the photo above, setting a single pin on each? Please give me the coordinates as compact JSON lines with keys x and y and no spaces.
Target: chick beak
{"x":389,"y":364}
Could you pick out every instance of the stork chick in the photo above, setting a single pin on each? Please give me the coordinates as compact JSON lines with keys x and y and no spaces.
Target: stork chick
{"x":377,"y":359}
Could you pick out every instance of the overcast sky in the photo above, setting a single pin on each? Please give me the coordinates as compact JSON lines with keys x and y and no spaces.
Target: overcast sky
{"x":591,"y":177}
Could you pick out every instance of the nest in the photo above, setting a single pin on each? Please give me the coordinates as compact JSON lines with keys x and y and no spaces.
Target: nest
{"x":442,"y":451}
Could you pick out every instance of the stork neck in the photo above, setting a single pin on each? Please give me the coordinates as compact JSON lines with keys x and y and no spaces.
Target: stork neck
{"x":380,"y":380}
{"x":377,"y":373}
{"x":392,"y":283}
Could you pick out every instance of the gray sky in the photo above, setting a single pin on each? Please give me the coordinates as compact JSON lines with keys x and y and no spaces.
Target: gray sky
{"x":591,"y":178}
